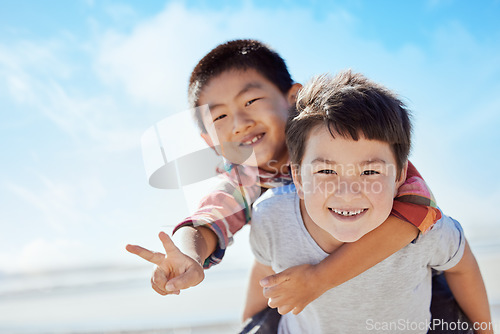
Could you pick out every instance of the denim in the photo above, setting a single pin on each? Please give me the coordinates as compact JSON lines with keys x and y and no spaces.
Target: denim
{"x":445,"y":310}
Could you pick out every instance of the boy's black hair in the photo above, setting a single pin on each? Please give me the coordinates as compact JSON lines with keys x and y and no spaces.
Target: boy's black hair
{"x":241,"y":54}
{"x":351,"y":106}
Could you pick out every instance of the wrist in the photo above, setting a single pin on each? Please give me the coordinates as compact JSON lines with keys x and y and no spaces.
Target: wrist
{"x":196,"y":257}
{"x":322,"y":277}
{"x":191,"y":243}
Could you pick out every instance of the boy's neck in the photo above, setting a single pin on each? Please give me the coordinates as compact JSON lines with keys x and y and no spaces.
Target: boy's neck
{"x":324,"y":239}
{"x":277,"y":168}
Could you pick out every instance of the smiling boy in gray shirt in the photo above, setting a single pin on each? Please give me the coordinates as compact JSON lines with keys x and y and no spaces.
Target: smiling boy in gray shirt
{"x":349,"y":144}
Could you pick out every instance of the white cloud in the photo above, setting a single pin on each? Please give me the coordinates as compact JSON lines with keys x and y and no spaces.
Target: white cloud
{"x":61,"y":205}
{"x":154,"y":61}
{"x":44,"y":79}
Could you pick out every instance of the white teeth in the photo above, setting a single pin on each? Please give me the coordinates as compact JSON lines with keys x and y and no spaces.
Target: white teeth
{"x":348,"y":213}
{"x":253,"y":140}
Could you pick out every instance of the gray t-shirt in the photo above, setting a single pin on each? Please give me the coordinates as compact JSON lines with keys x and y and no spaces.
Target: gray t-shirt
{"x":391,"y":297}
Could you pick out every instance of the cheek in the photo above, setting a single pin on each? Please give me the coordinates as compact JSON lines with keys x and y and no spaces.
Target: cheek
{"x":381,"y":195}
{"x":318,"y":189}
{"x":214,"y":136}
{"x":277,"y":128}
{"x":276,"y":119}
{"x":220,"y":129}
{"x":314,"y":187}
{"x":314,"y":205}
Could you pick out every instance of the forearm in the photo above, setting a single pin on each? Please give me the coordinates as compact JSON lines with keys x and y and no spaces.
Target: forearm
{"x":352,"y":259}
{"x":196,"y":242}
{"x":467,"y":285}
{"x":255,"y":301}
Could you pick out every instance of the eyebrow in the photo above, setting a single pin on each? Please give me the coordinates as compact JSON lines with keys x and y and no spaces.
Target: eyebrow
{"x":323,"y":160}
{"x":246,"y":88}
{"x":362,"y":163}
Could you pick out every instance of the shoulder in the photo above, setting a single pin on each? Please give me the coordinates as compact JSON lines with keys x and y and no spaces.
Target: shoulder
{"x":271,"y":197}
{"x":446,"y":226}
{"x":276,"y":202}
{"x":445,"y":241}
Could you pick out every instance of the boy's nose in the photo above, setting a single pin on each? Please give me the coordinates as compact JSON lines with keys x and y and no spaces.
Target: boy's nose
{"x":348,"y":189}
{"x":242,"y":122}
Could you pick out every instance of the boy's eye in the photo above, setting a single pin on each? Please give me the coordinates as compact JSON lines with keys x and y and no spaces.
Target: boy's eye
{"x":219,"y":117}
{"x":250,"y":102}
{"x":370,"y":172}
{"x":326,"y":171}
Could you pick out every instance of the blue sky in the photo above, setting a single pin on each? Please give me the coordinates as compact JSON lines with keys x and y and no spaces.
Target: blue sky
{"x":80,"y":81}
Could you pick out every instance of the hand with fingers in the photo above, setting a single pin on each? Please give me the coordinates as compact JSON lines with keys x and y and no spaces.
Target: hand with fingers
{"x":293,"y":289}
{"x":174,"y":270}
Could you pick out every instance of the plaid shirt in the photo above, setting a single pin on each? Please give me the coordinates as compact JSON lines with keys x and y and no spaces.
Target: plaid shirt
{"x":229,"y":206}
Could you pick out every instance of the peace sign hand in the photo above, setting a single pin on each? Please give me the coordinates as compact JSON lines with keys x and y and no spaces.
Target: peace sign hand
{"x":174,"y":271}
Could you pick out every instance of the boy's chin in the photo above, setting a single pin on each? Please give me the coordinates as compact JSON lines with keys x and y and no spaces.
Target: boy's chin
{"x":240,"y":155}
{"x":347,"y":239}
{"x":351,"y":236}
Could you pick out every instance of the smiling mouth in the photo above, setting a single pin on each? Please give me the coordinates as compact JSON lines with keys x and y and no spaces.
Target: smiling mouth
{"x":347,"y":213}
{"x":253,"y":140}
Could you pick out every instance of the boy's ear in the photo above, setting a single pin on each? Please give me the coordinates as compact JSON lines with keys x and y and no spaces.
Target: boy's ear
{"x":297,"y":180}
{"x":207,"y":139}
{"x":402,"y":177}
{"x":292,"y":93}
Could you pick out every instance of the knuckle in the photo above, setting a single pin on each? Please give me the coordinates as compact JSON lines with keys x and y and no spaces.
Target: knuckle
{"x":159,"y":291}
{"x":156,"y":276}
{"x":157,"y":254}
{"x":282,"y":310}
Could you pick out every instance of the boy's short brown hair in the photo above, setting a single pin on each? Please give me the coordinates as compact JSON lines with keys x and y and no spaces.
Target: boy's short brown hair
{"x":241,"y":54}
{"x":351,"y":106}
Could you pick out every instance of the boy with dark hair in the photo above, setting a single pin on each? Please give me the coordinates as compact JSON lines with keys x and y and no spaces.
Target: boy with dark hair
{"x":243,"y":93}
{"x":348,"y":146}
{"x":241,"y":55}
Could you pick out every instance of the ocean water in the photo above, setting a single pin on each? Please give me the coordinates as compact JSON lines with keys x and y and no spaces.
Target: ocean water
{"x":114,"y":299}
{"x":118,"y":299}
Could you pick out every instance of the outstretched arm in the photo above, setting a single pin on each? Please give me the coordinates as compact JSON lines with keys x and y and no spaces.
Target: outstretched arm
{"x":467,"y":285}
{"x":294,"y":288}
{"x":196,"y":242}
{"x":222,"y":213}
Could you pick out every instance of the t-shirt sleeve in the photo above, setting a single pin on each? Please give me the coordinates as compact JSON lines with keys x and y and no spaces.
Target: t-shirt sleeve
{"x":449,"y":243}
